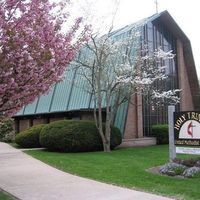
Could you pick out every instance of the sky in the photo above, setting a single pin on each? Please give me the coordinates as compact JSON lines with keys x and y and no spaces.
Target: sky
{"x":185,"y":12}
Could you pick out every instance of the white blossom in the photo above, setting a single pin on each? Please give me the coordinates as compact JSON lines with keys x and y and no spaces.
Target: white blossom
{"x":164,"y":55}
{"x":169,"y":95}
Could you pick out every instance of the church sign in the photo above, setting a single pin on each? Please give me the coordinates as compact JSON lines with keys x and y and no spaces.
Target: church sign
{"x":187,"y":128}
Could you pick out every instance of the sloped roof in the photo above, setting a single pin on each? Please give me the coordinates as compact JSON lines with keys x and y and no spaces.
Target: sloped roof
{"x":67,"y":96}
{"x":165,"y":18}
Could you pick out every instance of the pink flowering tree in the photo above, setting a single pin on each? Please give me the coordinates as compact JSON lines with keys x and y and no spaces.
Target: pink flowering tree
{"x":35,"y":48}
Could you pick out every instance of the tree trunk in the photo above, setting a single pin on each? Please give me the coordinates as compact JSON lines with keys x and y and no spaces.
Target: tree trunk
{"x":104,"y":138}
{"x":106,"y":147}
{"x":108,"y":123}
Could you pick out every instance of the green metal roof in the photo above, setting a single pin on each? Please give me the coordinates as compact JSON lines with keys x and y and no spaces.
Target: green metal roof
{"x":44,"y":102}
{"x":61,"y":93}
{"x":69,"y":94}
{"x":79,"y":98}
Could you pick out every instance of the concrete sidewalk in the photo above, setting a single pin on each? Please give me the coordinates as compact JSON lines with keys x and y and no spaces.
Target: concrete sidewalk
{"x":29,"y":179}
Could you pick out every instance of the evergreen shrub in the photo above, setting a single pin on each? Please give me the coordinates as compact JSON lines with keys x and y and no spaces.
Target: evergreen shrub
{"x":160,"y":131}
{"x":75,"y":136}
{"x":30,"y":137}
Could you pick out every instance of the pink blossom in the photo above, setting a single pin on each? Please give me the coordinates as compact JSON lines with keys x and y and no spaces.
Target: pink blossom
{"x":34,"y":52}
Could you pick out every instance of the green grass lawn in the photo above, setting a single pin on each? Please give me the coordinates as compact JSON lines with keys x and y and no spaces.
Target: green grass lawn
{"x":125,"y":167}
{"x":5,"y":196}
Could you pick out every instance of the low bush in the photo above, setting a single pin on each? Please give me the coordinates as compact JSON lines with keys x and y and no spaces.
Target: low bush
{"x":188,"y":162}
{"x":6,"y":130}
{"x":173,"y":169}
{"x":160,"y":131}
{"x":185,"y":167}
{"x":30,"y":137}
{"x":116,"y":137}
{"x":192,"y":172}
{"x":75,"y":136}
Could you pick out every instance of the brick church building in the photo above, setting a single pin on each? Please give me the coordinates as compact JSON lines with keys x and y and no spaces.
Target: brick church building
{"x":66,"y":101}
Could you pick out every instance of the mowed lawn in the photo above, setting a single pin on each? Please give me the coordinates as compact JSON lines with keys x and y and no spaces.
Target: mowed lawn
{"x":5,"y":196}
{"x":125,"y":167}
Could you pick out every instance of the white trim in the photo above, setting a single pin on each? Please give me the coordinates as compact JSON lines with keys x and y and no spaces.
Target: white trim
{"x":187,"y":150}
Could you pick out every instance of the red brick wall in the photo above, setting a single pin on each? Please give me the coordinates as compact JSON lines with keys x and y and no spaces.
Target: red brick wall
{"x":134,"y":121}
{"x":87,"y":116}
{"x":186,"y":97}
{"x":56,"y":119}
{"x":39,"y":121}
{"x":24,"y":124}
{"x":139,"y":116}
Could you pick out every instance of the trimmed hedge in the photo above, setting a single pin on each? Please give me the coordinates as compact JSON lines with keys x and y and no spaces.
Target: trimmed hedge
{"x":75,"y":136}
{"x":160,"y":131}
{"x":30,"y":137}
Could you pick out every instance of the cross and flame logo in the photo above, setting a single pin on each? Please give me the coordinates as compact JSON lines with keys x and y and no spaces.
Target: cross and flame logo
{"x":190,"y":129}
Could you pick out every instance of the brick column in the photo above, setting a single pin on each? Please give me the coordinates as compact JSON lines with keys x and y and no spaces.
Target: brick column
{"x":186,"y":102}
{"x":140,"y":117}
{"x":134,"y":121}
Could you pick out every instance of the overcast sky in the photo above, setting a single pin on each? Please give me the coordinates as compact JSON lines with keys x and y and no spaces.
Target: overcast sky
{"x":185,"y":12}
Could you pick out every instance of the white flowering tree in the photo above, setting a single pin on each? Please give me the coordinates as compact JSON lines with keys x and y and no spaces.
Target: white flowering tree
{"x":146,"y":73}
{"x":117,"y":69}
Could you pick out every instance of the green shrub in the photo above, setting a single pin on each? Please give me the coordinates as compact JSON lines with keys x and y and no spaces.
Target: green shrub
{"x":116,"y":137}
{"x":75,"y":136}
{"x":30,"y":137}
{"x":160,"y":131}
{"x":6,"y":130}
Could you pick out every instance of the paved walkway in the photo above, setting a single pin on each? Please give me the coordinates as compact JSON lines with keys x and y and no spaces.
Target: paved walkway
{"x":30,"y":179}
